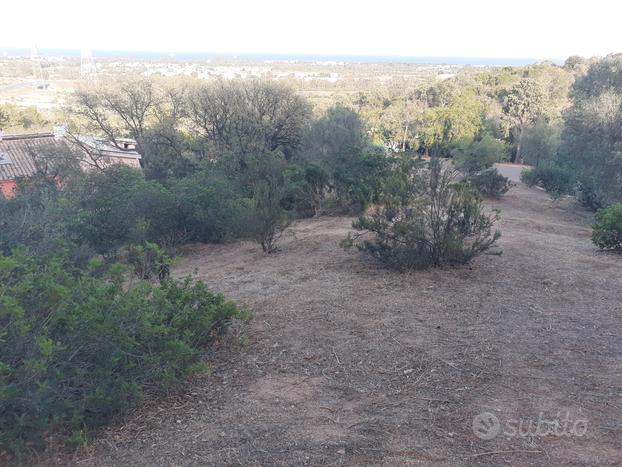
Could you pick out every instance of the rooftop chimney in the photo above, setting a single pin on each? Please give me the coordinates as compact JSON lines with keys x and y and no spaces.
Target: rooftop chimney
{"x":60,"y":131}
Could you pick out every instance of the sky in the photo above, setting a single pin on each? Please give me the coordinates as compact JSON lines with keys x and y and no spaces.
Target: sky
{"x":540,"y":29}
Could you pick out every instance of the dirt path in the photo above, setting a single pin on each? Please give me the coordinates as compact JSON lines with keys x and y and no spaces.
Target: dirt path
{"x":351,"y":364}
{"x":511,"y":171}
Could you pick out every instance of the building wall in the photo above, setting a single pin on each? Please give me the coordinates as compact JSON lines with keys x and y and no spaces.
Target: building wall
{"x":132,"y":162}
{"x":7,"y":188}
{"x":107,"y":161}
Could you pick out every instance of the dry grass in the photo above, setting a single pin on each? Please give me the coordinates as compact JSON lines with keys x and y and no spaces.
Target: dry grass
{"x":351,"y":364}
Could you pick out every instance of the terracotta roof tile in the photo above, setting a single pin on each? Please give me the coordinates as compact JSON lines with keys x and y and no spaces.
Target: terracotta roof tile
{"x":16,"y":151}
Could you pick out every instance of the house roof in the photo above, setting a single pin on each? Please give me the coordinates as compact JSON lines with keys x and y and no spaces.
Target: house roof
{"x":16,"y":150}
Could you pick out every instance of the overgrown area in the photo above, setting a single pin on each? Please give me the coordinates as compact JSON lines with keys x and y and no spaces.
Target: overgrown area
{"x":584,"y":158}
{"x":79,"y":347}
{"x":91,"y":318}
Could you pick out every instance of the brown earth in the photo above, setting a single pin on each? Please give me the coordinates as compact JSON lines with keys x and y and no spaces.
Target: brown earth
{"x":348,"y":363}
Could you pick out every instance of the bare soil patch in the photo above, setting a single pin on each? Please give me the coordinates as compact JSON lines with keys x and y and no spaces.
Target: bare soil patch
{"x":351,"y":364}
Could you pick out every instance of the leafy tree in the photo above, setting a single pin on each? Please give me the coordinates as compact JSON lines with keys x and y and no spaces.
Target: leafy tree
{"x":243,"y":118}
{"x":477,"y":155}
{"x":461,"y":120}
{"x":117,"y":110}
{"x":169,"y":153}
{"x":398,"y":125}
{"x":592,"y":135}
{"x":541,"y":140}
{"x":337,"y":142}
{"x":576,"y":63}
{"x":19,"y":119}
{"x":522,"y":106}
{"x":555,"y":82}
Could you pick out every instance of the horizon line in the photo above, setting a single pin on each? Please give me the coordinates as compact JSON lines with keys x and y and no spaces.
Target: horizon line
{"x":289,"y":55}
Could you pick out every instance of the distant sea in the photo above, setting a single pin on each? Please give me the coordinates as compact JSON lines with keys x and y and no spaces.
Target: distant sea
{"x":200,"y":56}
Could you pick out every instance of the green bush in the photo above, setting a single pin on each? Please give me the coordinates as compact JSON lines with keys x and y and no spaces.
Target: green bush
{"x":358,"y":179}
{"x":117,"y":206}
{"x":37,"y":217}
{"x":607,"y":227}
{"x":490,"y":183}
{"x":474,"y":156}
{"x":338,"y":144}
{"x":306,"y":189}
{"x":79,"y":347}
{"x":149,"y":261}
{"x":591,"y":136}
{"x":425,"y":219}
{"x":555,"y":179}
{"x":209,"y":208}
{"x":268,"y":219}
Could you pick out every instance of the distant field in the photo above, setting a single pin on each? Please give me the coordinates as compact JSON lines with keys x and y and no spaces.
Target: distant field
{"x":321,"y":81}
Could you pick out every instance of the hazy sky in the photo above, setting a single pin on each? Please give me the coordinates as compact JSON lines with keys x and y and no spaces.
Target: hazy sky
{"x":473,"y":28}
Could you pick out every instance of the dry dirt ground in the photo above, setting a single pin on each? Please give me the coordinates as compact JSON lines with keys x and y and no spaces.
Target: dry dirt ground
{"x":347,"y":363}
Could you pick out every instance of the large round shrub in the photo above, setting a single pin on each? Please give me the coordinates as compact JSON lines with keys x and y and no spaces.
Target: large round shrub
{"x":607,"y":232}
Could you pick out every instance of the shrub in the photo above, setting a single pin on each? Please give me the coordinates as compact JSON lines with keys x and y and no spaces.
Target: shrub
{"x":490,"y":183}
{"x":37,"y":217}
{"x":117,"y":206}
{"x":209,"y":208}
{"x":268,"y":219}
{"x":425,"y":219}
{"x":149,"y":261}
{"x":555,"y":179}
{"x":306,"y":189}
{"x":475,"y":156}
{"x":590,"y":193}
{"x":607,"y":227}
{"x":101,"y":211}
{"x":80,"y":347}
{"x":358,"y":179}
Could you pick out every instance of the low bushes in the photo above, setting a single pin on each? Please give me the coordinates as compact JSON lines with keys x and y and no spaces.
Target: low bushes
{"x":79,"y":347}
{"x":554,"y":178}
{"x":607,"y":233}
{"x":149,"y":261}
{"x":117,"y":206}
{"x":425,"y":219}
{"x":209,"y":208}
{"x":490,"y":183}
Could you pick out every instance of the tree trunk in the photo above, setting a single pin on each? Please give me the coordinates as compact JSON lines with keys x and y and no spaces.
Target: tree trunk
{"x":404,"y":139}
{"x":517,"y":155}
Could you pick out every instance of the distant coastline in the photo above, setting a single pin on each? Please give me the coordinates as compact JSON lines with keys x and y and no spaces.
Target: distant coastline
{"x":200,"y":56}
